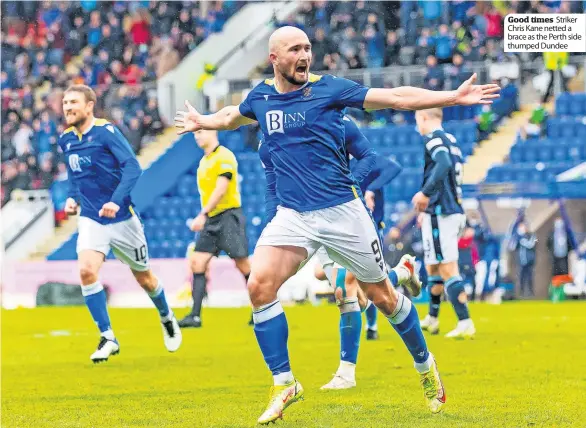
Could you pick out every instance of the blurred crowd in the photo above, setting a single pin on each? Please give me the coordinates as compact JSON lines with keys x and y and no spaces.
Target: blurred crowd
{"x":117,"y":47}
{"x":442,"y":35}
{"x":478,"y":253}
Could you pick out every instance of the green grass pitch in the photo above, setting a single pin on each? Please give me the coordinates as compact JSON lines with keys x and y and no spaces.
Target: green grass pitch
{"x":526,"y":367}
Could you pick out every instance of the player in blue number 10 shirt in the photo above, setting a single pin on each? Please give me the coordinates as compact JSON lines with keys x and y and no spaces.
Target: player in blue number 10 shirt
{"x":102,"y":170}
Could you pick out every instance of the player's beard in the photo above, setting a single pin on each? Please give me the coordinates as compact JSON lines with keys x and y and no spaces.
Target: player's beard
{"x":80,"y":122}
{"x":291,"y":79}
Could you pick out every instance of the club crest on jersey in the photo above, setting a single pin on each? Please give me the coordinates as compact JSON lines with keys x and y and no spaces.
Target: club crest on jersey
{"x":307,"y":92}
{"x":278,"y":121}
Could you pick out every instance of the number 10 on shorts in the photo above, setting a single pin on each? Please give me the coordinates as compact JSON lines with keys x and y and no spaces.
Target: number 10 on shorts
{"x":140,"y":254}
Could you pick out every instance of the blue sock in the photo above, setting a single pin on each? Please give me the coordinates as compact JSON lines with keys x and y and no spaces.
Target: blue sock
{"x":405,"y":321}
{"x":371,"y":316}
{"x":350,"y":329}
{"x":434,"y":300}
{"x":95,"y":300}
{"x":272,"y":332}
{"x":160,"y":301}
{"x":394,"y":278}
{"x":454,"y":287}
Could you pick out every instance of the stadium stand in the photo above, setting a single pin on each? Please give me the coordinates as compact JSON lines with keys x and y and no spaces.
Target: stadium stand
{"x":539,"y":158}
{"x":118,"y":48}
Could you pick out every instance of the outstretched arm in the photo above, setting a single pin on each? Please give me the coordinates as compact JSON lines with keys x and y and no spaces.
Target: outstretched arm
{"x":225,"y":119}
{"x":410,"y":98}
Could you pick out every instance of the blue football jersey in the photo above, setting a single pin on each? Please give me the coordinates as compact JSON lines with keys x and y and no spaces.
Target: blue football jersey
{"x":304,"y":133}
{"x":101,"y":168}
{"x":356,"y":145}
{"x":447,"y":198}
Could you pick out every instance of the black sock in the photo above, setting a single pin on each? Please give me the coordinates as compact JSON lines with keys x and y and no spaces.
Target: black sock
{"x":434,"y":301}
{"x":434,"y":305}
{"x":198,"y":289}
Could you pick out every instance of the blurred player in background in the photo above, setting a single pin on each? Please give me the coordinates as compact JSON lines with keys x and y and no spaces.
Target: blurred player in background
{"x":221,"y":225}
{"x":349,"y":298}
{"x":442,"y":221}
{"x":102,"y":170}
{"x":301,"y":119}
{"x":372,"y":172}
{"x":372,"y":185}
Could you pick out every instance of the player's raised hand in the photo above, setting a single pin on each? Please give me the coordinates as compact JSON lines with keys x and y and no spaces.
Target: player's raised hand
{"x":70,"y":206}
{"x":109,"y":210}
{"x":420,"y":202}
{"x":470,"y":94}
{"x":187,"y":121}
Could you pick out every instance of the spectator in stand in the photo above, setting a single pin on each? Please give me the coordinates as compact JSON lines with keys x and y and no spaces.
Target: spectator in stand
{"x":349,"y":41}
{"x":140,"y":27}
{"x":554,"y":63}
{"x":560,"y":245}
{"x":524,"y":245}
{"x":457,"y":73}
{"x":46,"y":175}
{"x":393,"y":48}
{"x":152,"y":120}
{"x":167,"y":57}
{"x":468,"y":258}
{"x":134,"y":134}
{"x":494,"y":26}
{"x":459,"y":9}
{"x":535,"y":126}
{"x":434,"y":78}
{"x":22,"y":140}
{"x":425,"y":46}
{"x":94,"y":32}
{"x":320,"y":47}
{"x":486,"y":120}
{"x":444,"y":45}
{"x":23,"y":180}
{"x":375,"y":42}
{"x":432,"y":12}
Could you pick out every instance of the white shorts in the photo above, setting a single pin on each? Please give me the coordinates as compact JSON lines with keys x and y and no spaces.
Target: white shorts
{"x":327,"y":264}
{"x":440,"y":237}
{"x":126,"y":239}
{"x":346,"y":231}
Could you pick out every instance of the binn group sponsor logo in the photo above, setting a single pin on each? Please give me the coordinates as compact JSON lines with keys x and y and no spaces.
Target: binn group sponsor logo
{"x":278,"y":121}
{"x":76,"y":162}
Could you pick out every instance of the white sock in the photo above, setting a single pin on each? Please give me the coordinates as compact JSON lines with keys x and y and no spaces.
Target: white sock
{"x":108,"y":334}
{"x":465,"y":323}
{"x":401,"y":310}
{"x":372,"y":327}
{"x":425,"y":366}
{"x":347,"y":370}
{"x":169,"y":316}
{"x":283,"y":378}
{"x":402,"y":274}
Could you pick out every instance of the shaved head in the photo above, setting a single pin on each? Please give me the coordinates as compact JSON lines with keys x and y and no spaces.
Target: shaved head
{"x":285,"y":35}
{"x":290,"y":54}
